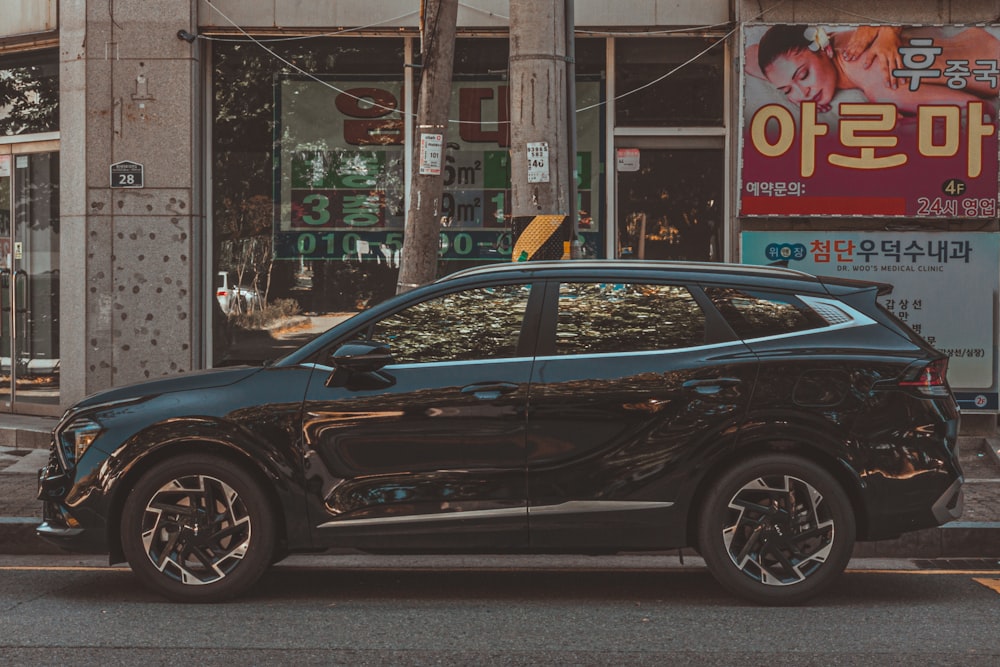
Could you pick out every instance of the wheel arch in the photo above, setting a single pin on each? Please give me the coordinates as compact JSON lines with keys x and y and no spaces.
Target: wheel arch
{"x":221,"y":449}
{"x":815,"y":447}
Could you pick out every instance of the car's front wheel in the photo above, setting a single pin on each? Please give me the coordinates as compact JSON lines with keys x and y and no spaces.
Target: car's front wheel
{"x":198,"y":529}
{"x":776,"y":529}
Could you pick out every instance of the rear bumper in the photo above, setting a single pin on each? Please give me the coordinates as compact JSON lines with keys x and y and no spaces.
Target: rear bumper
{"x":951,"y":503}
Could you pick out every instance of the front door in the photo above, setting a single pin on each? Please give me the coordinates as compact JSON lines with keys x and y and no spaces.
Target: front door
{"x":29,"y":279}
{"x":428,"y":451}
{"x":670,"y":203}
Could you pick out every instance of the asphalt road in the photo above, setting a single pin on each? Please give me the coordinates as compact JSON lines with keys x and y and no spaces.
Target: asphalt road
{"x":427,"y":611}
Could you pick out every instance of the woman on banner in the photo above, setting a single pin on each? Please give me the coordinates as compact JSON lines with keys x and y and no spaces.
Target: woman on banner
{"x":808,"y":64}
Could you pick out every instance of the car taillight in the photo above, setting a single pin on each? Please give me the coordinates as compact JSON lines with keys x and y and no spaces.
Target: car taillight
{"x":929,"y":379}
{"x":221,"y":292}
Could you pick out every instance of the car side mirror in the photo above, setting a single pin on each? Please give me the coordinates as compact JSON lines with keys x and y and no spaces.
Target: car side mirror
{"x":357,"y":362}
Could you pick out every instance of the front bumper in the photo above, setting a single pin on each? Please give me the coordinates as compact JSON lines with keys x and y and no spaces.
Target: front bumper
{"x":62,"y":526}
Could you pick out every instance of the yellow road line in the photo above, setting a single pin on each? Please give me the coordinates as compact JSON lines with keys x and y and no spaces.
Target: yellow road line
{"x":62,"y":568}
{"x":992,"y":584}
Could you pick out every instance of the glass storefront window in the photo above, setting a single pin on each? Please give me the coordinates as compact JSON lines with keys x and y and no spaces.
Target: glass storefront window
{"x":309,"y":178}
{"x":284,"y":144}
{"x":692,"y":96}
{"x":29,"y":92}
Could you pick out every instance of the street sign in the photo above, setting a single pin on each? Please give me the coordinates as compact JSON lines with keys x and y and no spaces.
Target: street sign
{"x":126,"y":174}
{"x":430,"y":154}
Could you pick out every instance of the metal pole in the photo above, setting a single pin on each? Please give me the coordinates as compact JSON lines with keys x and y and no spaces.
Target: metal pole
{"x":574,"y":209}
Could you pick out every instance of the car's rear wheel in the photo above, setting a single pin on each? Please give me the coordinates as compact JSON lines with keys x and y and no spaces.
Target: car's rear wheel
{"x":198,"y":529}
{"x":776,"y":529}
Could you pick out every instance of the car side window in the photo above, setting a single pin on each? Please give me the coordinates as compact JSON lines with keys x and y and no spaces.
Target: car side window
{"x":481,"y":323}
{"x":756,"y":314}
{"x":597,"y":318}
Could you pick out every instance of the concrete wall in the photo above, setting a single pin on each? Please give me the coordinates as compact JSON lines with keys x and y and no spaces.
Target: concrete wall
{"x":18,"y":17}
{"x":870,"y":11}
{"x":478,"y":14}
{"x":130,"y":299}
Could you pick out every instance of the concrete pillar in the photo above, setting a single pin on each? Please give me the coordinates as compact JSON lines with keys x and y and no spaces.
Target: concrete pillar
{"x":131,"y":281}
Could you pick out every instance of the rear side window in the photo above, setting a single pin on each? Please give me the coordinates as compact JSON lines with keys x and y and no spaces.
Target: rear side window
{"x":599,"y":318}
{"x":757,"y":314}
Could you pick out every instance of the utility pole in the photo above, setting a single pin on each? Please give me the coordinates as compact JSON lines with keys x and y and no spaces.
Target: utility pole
{"x":418,"y":260}
{"x":540,"y":167}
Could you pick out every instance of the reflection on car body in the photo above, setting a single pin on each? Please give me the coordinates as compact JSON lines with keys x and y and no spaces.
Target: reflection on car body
{"x":766,"y":417}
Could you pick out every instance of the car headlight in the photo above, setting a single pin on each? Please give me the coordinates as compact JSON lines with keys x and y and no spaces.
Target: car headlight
{"x":76,"y":438}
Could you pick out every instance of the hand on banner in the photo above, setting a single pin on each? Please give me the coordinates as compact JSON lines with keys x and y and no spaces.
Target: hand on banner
{"x":876,"y":43}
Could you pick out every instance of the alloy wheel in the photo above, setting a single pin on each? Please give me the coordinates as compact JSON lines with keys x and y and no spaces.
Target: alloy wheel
{"x":196,"y":529}
{"x":779,"y":531}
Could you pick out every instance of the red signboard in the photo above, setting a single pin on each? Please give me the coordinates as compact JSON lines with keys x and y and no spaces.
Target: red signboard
{"x":870,"y":121}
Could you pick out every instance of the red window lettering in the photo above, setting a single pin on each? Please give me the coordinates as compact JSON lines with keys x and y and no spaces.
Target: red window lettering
{"x":470,"y":111}
{"x":371,"y":105}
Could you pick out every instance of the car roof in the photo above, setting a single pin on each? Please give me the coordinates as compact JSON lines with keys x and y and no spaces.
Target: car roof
{"x":701,"y":271}
{"x":747,"y":275}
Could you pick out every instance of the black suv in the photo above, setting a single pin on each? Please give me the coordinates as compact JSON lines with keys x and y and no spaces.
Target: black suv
{"x":766,"y":417}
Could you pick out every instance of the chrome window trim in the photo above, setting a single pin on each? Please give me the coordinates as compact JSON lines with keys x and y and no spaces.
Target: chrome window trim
{"x":639,"y":353}
{"x":464,"y":362}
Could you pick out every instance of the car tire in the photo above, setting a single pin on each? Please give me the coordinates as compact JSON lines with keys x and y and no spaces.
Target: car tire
{"x":776,"y":529}
{"x":198,"y":529}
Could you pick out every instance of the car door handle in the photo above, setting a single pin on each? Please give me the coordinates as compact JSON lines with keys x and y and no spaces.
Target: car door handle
{"x":711,"y":385}
{"x":488,"y":391}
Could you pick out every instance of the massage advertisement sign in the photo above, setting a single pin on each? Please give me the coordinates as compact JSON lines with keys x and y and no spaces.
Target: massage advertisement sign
{"x":875,"y":121}
{"x":945,"y":287}
{"x":340,"y":171}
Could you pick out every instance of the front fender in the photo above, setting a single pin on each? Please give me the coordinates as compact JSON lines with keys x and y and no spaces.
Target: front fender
{"x":274,"y":460}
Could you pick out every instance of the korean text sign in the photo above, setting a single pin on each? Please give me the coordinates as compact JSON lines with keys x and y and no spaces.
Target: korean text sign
{"x":824,"y":135}
{"x":340,"y":172}
{"x":945,"y":287}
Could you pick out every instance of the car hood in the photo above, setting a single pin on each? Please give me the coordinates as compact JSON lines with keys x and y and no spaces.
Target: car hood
{"x":196,"y":380}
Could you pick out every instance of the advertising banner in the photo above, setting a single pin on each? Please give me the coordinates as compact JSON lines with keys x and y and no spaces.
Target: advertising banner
{"x":875,"y":121}
{"x":341,"y":180}
{"x":945,"y":289}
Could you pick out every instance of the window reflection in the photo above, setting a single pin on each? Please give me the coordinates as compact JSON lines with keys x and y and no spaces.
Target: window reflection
{"x":692,"y":94}
{"x":29,"y":92}
{"x":599,"y":318}
{"x":754,"y":315}
{"x":474,"y":324}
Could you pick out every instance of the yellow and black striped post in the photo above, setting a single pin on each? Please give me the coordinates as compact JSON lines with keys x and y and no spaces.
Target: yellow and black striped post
{"x":539,"y":237}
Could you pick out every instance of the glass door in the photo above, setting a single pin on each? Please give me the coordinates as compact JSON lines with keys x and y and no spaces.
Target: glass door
{"x":670,"y":203}
{"x":29,"y":280}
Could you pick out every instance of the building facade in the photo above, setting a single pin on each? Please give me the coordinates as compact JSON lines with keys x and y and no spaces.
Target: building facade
{"x":194,"y":183}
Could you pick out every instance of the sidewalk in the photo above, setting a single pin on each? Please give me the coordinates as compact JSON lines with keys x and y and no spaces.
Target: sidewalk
{"x":24,"y":443}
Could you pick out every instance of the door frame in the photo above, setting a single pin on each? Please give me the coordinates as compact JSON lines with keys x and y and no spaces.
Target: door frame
{"x":47,"y":142}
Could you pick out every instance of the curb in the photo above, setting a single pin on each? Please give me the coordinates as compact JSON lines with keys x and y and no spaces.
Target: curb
{"x":17,"y":536}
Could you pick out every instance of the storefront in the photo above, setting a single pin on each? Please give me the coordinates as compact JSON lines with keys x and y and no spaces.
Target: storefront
{"x":310,"y":176}
{"x":274,"y":143}
{"x":29,"y":231}
{"x":886,"y":173}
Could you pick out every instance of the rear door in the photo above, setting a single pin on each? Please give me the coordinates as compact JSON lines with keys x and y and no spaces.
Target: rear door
{"x":635,"y":385}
